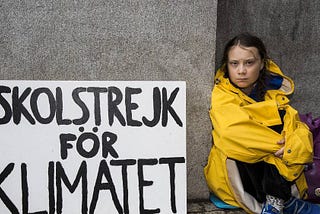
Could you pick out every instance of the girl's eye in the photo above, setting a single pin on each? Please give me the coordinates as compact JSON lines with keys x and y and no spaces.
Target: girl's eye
{"x":250,"y":62}
{"x":233,"y":63}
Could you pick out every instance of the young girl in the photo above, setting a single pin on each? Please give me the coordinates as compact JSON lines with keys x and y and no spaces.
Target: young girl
{"x":260,"y":146}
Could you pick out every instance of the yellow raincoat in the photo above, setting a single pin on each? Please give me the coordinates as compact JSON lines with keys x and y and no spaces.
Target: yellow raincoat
{"x":241,"y":132}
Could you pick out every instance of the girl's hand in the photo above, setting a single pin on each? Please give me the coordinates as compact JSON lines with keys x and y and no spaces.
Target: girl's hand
{"x":279,"y":153}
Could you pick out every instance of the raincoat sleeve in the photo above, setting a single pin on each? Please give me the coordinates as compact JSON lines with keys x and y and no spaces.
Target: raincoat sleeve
{"x":299,"y":140}
{"x":242,"y":132}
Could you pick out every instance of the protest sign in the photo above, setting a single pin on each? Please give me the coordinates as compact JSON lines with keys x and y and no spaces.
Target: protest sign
{"x":92,"y":147}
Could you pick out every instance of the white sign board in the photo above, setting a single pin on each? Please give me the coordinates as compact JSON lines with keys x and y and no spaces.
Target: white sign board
{"x":92,"y":147}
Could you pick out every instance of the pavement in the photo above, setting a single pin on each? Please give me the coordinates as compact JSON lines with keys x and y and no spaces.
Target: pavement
{"x":206,"y":207}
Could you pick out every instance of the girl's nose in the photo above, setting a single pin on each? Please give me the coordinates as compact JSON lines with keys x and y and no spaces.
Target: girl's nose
{"x":242,"y":69}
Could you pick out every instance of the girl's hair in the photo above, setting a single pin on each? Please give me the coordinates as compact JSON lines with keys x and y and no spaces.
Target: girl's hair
{"x":248,"y":40}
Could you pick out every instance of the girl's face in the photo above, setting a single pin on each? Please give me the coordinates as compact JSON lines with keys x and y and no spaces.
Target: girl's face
{"x":244,"y":65}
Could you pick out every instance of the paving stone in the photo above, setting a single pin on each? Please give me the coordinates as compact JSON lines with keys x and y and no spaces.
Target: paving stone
{"x":206,"y":207}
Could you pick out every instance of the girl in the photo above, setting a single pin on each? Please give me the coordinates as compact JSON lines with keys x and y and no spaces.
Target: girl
{"x":260,"y":146}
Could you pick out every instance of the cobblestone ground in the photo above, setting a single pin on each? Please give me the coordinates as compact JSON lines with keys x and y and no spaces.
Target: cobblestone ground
{"x":206,"y":207}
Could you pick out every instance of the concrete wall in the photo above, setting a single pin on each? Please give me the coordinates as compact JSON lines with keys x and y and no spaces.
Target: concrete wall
{"x":119,"y":40}
{"x":291,"y":32}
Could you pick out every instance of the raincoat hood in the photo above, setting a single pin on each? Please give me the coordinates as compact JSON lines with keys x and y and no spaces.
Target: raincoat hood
{"x":284,"y":84}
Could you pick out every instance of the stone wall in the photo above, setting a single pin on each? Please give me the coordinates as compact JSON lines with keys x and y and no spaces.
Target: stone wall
{"x":119,"y":40}
{"x":159,"y":40}
{"x":291,"y":32}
